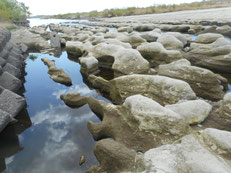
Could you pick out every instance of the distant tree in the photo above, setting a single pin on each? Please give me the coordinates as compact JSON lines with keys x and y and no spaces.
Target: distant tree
{"x":13,"y":10}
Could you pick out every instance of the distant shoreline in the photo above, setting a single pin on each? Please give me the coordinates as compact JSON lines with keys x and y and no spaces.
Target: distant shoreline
{"x":132,"y":11}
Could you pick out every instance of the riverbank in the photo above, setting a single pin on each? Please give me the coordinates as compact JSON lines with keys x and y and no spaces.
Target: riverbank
{"x":146,"y":10}
{"x":204,"y":17}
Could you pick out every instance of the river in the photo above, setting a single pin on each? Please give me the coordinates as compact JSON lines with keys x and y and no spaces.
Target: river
{"x":49,"y":137}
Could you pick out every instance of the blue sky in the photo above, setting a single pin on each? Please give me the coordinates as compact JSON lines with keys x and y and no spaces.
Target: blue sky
{"x":47,"y":7}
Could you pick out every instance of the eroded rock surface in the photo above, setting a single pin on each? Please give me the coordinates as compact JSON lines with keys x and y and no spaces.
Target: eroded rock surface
{"x":215,"y":56}
{"x":204,"y":82}
{"x":57,"y":74}
{"x":162,"y":89}
{"x":156,"y":54}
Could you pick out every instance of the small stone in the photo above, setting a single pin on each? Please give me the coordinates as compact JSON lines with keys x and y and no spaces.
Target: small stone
{"x":82,"y":160}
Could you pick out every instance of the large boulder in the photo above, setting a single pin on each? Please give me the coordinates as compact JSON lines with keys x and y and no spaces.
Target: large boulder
{"x":154,"y":124}
{"x":175,"y":28}
{"x":10,"y":82}
{"x":215,"y":56}
{"x":89,"y":65}
{"x":224,"y":30}
{"x":218,"y":140}
{"x":204,"y":82}
{"x":225,"y":108}
{"x":5,"y":119}
{"x":134,"y":39}
{"x":156,"y":54}
{"x":11,"y":102}
{"x":144,"y":27}
{"x":114,"y":157}
{"x":150,"y":36}
{"x":128,"y":29}
{"x":179,"y":36}
{"x":34,"y":42}
{"x":189,"y":155}
{"x":169,"y":41}
{"x":194,"y":111}
{"x":121,"y":60}
{"x":74,"y":48}
{"x":162,"y":89}
{"x":207,"y":38}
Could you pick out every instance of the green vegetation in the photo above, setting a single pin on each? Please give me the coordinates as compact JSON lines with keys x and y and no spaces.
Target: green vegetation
{"x":11,"y":10}
{"x":33,"y":57}
{"x":148,"y":10}
{"x":10,"y":28}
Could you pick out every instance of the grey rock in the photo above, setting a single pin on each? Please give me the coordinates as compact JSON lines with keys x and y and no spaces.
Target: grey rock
{"x":156,"y":54}
{"x":9,"y":46}
{"x":55,"y":40}
{"x":12,"y":70}
{"x":11,"y":102}
{"x":2,"y":62}
{"x":89,"y":65}
{"x":15,"y":62}
{"x":5,"y":119}
{"x":4,"y":54}
{"x":8,"y":81}
{"x":144,"y":27}
{"x":207,"y":38}
{"x":0,"y":70}
{"x":204,"y":82}
{"x":23,"y":48}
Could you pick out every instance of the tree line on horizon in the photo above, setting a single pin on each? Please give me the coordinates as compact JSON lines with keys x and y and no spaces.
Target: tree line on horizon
{"x":147,"y":10}
{"x":12,"y":10}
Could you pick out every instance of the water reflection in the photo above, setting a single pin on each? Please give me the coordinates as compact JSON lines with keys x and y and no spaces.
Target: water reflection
{"x":10,"y":141}
{"x":56,"y":141}
{"x":69,"y":22}
{"x":59,"y":134}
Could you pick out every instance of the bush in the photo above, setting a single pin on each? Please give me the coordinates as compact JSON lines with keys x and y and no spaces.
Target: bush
{"x":12,"y":10}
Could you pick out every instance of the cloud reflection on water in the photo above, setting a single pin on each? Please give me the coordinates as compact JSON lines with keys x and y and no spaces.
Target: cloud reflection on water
{"x":56,"y":141}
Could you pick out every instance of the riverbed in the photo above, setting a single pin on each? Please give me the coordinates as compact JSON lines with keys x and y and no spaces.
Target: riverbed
{"x":55,"y":136}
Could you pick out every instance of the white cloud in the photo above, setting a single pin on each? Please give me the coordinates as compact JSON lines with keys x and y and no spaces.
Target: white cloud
{"x":38,"y":7}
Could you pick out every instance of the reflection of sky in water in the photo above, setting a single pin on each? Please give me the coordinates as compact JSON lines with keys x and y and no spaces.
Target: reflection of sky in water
{"x":193,"y":37}
{"x":59,"y":134}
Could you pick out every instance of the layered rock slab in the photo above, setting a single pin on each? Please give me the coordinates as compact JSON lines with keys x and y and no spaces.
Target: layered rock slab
{"x":204,"y":83}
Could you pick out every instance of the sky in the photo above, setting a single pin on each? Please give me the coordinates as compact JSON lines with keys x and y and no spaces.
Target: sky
{"x":49,"y":7}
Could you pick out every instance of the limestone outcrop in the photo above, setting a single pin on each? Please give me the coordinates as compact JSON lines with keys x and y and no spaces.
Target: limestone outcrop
{"x":204,"y":83}
{"x":57,"y":74}
{"x":215,"y":56}
{"x":156,"y":54}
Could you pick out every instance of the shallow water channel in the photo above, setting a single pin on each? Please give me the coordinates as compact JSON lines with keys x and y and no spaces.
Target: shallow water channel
{"x":49,"y":137}
{"x":58,"y":135}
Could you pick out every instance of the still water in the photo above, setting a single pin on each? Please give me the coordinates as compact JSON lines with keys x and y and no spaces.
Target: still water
{"x":40,"y":21}
{"x":49,"y":137}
